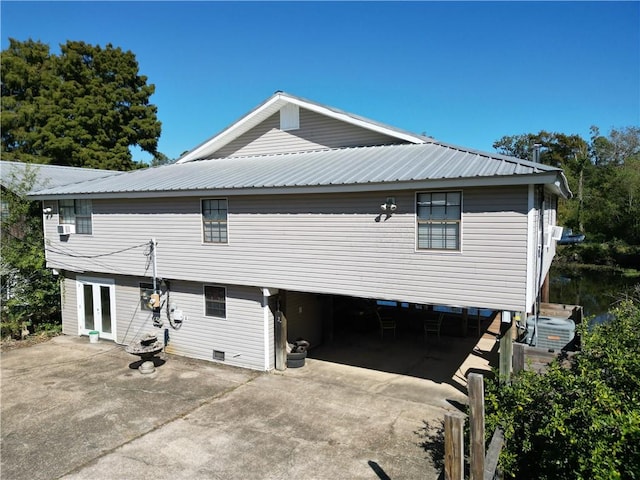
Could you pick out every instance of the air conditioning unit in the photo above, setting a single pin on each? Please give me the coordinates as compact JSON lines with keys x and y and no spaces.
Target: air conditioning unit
{"x":551,"y":333}
{"x":66,"y":229}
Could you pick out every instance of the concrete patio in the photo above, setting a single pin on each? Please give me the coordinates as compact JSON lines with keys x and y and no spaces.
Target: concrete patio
{"x":75,"y":410}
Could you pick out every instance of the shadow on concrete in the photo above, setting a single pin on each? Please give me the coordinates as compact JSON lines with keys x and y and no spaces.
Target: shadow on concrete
{"x":446,"y":360}
{"x":378,"y":470}
{"x":157,"y":362}
{"x":431,"y":440}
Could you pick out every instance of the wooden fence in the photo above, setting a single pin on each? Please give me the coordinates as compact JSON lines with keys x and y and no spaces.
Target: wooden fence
{"x":532,"y":358}
{"x":482,"y":464}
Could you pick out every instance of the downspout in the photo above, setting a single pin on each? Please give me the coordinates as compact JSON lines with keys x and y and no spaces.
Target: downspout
{"x":536,"y":159}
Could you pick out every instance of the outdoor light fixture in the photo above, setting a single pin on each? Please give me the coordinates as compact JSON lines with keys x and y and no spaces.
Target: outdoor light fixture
{"x":389,"y":206}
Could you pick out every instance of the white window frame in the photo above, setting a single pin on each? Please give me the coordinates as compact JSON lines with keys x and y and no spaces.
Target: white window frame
{"x":110,"y":283}
{"x":204,"y":297}
{"x":458,"y":222}
{"x":202,"y":221}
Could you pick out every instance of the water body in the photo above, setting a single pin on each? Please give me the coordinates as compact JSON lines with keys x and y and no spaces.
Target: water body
{"x":595,"y":291}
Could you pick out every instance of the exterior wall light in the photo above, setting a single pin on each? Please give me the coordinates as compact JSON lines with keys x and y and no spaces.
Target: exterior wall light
{"x":389,"y":206}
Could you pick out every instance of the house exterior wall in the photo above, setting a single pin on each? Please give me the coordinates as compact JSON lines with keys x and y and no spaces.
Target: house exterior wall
{"x":540,"y":249}
{"x":69,"y":303}
{"x":316,"y":131}
{"x":240,"y":335}
{"x":323,"y":243}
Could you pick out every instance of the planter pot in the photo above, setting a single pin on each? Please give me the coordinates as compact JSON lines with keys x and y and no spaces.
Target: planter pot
{"x":296,"y":360}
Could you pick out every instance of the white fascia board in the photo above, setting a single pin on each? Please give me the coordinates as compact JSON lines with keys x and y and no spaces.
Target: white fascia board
{"x":271,"y":106}
{"x":232,"y":132}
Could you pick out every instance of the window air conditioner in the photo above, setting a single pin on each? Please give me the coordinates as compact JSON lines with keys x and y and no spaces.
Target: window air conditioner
{"x":66,"y":229}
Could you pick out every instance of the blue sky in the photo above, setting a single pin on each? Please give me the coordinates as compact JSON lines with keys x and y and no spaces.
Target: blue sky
{"x":465,"y":73}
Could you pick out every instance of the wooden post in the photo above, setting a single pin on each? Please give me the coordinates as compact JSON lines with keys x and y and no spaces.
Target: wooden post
{"x":281,"y":340}
{"x":493,"y":453}
{"x":506,"y":347}
{"x":453,"y":447}
{"x":475,"y":386}
{"x":518,"y":357}
{"x":544,"y":294}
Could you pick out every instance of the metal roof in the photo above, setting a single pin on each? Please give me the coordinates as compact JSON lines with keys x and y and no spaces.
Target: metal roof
{"x":390,"y":167}
{"x":48,"y":176}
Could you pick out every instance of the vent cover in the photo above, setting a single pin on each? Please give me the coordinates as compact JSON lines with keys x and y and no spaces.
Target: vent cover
{"x":290,"y":117}
{"x":218,"y":355}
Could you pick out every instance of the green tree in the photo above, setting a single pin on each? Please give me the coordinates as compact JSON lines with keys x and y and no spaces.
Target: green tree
{"x":83,"y":107}
{"x":30,"y":292}
{"x":580,"y":421}
{"x":160,"y":159}
{"x":602,"y":173}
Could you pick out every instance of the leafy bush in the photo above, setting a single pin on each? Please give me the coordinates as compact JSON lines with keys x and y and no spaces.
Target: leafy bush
{"x":10,"y":328}
{"x":580,"y":421}
{"x":29,"y":291}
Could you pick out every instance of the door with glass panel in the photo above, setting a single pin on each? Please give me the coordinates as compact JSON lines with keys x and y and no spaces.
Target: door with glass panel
{"x":96,"y":306}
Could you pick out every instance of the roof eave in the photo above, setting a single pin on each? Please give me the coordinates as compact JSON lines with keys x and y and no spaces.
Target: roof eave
{"x":554,"y":180}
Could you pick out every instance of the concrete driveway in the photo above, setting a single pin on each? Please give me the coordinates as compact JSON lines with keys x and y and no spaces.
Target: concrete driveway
{"x":75,"y":410}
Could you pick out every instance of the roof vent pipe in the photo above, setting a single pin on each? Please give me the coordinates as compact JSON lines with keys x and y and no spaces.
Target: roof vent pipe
{"x":536,"y":152}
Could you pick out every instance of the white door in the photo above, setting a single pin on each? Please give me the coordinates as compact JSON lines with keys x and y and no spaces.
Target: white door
{"x":96,"y":306}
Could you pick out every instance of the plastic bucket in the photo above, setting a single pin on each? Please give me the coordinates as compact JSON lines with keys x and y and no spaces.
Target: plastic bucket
{"x":94,"y":336}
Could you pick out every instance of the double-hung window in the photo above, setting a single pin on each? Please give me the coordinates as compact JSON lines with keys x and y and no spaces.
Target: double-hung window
{"x":215,"y":301}
{"x":76,"y":212}
{"x":438,"y":216}
{"x":214,"y":220}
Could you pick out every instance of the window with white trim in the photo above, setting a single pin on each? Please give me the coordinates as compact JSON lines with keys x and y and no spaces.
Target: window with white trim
{"x":438,"y":220}
{"x":215,"y":301}
{"x":76,"y":212}
{"x":214,"y":220}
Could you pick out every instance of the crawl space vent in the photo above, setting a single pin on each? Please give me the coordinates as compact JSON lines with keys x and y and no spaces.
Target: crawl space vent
{"x":218,"y":355}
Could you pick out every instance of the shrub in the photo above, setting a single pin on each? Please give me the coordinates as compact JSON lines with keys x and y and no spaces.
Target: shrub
{"x":580,"y":421}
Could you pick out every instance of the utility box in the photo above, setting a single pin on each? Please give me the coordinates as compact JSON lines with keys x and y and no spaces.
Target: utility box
{"x":552,"y":333}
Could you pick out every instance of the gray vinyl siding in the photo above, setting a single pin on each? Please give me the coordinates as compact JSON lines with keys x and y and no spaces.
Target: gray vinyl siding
{"x":324,"y":243}
{"x":316,"y":131}
{"x":69,"y":302}
{"x":240,"y":335}
{"x":541,"y":244}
